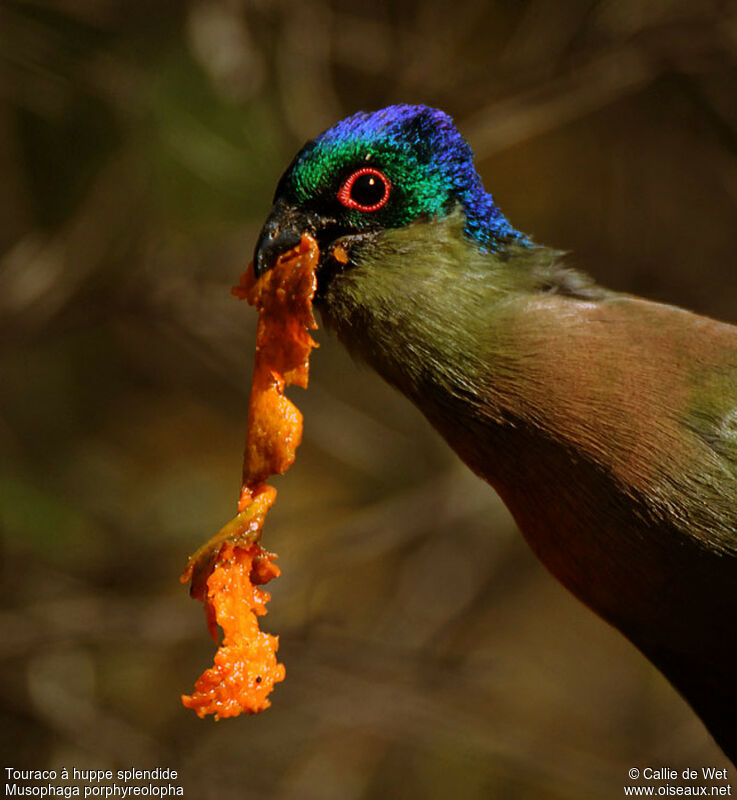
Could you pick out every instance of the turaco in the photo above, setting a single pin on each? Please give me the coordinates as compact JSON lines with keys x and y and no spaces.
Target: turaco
{"x":606,"y":423}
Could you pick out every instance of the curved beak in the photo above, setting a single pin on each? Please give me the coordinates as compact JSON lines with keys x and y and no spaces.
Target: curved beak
{"x":281,"y":232}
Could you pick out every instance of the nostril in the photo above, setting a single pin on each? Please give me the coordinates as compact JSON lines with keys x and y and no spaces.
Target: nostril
{"x":281,"y":232}
{"x":271,"y":244}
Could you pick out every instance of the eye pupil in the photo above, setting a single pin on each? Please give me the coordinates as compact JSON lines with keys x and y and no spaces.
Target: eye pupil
{"x":367,"y":190}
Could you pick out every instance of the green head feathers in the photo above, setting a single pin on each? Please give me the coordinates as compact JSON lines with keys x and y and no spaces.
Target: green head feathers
{"x":407,"y":163}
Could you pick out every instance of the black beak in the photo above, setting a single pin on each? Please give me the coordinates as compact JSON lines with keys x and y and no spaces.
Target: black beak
{"x":281,"y":232}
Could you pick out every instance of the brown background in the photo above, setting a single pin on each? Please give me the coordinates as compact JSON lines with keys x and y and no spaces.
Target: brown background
{"x":428,"y":655}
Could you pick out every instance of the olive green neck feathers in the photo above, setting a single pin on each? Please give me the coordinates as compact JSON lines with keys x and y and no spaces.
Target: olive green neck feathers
{"x":417,"y":305}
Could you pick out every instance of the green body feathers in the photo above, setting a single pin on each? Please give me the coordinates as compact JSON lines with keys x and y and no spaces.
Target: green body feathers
{"x":605,"y":422}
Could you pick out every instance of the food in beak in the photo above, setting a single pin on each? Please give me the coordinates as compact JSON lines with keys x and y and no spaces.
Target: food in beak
{"x":224,"y":570}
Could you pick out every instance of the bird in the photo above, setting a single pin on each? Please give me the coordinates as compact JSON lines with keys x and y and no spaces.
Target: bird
{"x":606,"y":423}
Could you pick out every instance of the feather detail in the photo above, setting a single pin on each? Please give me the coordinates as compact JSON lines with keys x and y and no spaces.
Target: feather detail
{"x":606,"y":423}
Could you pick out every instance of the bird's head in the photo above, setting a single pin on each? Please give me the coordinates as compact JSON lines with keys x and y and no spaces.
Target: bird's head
{"x":372,"y":172}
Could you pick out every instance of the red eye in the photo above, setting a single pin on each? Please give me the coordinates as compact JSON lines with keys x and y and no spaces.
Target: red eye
{"x":366,"y":189}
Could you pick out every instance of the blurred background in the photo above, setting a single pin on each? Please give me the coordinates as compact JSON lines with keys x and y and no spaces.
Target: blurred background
{"x":428,"y":654}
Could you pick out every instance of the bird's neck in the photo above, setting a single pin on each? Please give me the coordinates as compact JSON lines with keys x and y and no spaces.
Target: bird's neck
{"x":434,"y":326}
{"x":441,"y":325}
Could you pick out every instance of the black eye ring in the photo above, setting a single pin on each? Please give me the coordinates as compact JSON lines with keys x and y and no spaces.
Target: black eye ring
{"x":367,"y":189}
